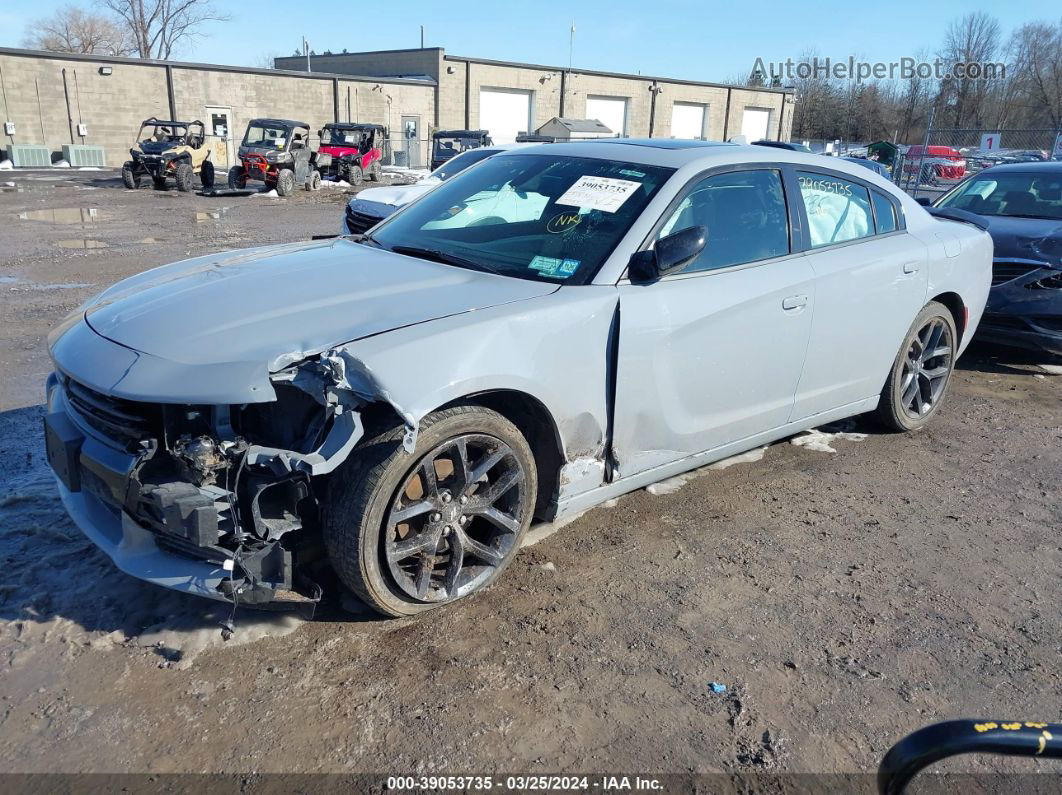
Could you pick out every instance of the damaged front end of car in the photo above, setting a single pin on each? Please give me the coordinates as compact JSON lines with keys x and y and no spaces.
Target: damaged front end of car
{"x":217,"y":500}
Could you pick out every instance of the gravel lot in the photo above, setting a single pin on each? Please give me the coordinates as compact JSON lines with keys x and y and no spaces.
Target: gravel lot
{"x":844,"y":598}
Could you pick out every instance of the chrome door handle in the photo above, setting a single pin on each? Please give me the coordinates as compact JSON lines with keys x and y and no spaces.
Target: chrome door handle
{"x":910,"y":267}
{"x":794,"y":302}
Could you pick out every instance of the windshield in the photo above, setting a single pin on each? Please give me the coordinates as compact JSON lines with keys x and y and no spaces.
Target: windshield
{"x":338,"y":136}
{"x":1019,"y":195}
{"x":266,"y":136}
{"x":163,"y":132}
{"x":449,"y":147}
{"x":461,"y":162}
{"x":536,"y":217}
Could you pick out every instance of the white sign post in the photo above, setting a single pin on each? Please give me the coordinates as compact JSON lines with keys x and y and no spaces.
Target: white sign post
{"x":989,"y":141}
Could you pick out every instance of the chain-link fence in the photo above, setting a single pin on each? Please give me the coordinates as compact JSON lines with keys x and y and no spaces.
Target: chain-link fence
{"x":947,"y":156}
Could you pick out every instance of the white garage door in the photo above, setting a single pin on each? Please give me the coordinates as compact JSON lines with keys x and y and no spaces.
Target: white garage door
{"x":754,"y":123}
{"x":688,"y":120}
{"x":504,"y":114}
{"x":610,"y":111}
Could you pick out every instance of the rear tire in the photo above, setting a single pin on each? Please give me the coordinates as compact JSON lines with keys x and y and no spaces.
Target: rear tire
{"x":314,"y":181}
{"x":183,"y":177}
{"x":130,"y":177}
{"x":921,"y":373}
{"x":375,"y":171}
{"x":238,"y":177}
{"x":354,"y":174}
{"x":285,"y":182}
{"x":470,"y":525}
{"x":206,"y":174}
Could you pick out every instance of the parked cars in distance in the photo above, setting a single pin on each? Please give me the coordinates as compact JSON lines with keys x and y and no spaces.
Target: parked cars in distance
{"x":945,"y":162}
{"x":372,"y":205}
{"x":873,"y":165}
{"x":792,"y":146}
{"x":400,"y":406}
{"x":1022,"y":206}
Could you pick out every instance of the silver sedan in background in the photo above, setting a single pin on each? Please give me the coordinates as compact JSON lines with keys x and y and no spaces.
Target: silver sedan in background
{"x":548,"y":330}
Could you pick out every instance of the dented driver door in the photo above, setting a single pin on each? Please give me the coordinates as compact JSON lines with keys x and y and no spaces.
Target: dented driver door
{"x":713,"y":355}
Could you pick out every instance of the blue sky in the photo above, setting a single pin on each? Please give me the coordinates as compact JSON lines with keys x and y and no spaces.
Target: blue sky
{"x":676,"y":38}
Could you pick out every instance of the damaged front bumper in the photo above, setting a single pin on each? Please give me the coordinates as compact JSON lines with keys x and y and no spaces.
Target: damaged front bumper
{"x":188,"y":496}
{"x":1024,"y":307}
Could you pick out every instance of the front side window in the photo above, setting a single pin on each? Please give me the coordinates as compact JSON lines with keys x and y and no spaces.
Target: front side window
{"x":537,"y":217}
{"x":744,"y":213}
{"x":838,"y":209}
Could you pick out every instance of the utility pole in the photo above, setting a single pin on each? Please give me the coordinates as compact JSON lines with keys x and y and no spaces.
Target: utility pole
{"x":571,"y":44}
{"x":422,"y":37}
{"x":306,"y":51}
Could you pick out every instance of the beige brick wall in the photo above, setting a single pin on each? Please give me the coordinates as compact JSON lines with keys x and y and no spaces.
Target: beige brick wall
{"x":111,"y":106}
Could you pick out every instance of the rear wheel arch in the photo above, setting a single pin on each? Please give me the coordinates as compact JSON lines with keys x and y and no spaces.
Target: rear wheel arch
{"x":957,"y":307}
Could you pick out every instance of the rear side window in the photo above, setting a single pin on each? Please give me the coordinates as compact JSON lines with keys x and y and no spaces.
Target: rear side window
{"x":744,"y":213}
{"x":838,"y":209}
{"x":884,"y":213}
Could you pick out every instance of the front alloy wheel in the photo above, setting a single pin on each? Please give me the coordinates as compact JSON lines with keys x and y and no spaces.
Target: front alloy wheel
{"x":409,"y":532}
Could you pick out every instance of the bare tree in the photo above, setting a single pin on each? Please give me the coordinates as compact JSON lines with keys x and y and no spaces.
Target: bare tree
{"x":267,"y":60}
{"x":158,"y":27}
{"x":71,"y":29}
{"x":1038,"y":63}
{"x":972,"y":39}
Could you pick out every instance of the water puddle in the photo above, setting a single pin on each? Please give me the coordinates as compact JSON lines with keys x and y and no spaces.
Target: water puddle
{"x":85,"y":216}
{"x":82,"y":243}
{"x":203,"y":216}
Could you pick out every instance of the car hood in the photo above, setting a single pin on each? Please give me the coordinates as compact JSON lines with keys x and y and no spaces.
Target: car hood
{"x":396,"y":195}
{"x":1024,"y":238}
{"x":279,"y":304}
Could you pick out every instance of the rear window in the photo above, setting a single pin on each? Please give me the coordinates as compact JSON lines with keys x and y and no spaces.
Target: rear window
{"x":884,"y":213}
{"x":838,"y":209}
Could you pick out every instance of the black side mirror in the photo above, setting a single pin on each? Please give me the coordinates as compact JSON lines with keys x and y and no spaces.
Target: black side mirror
{"x":924,"y":201}
{"x":320,"y":133}
{"x":671,"y":254}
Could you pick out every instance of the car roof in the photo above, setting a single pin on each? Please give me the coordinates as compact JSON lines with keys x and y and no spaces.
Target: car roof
{"x":1053,"y":167}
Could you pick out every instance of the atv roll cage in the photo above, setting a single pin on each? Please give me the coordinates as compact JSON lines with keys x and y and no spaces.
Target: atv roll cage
{"x":450,"y":143}
{"x":179,"y":133}
{"x":363,"y":136}
{"x":277,"y":152}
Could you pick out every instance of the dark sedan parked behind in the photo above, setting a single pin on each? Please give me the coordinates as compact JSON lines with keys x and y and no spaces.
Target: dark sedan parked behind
{"x":1022,"y":207}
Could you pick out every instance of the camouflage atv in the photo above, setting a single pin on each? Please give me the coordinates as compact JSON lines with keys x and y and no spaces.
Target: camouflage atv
{"x":166,"y":149}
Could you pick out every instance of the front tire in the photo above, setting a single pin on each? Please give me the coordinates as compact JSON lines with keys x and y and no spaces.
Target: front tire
{"x":375,"y":171}
{"x":238,"y":177}
{"x":130,"y":177}
{"x":285,"y":182}
{"x":354,"y":174}
{"x":183,"y":177}
{"x":921,"y":372}
{"x":408,"y":533}
{"x":159,"y":182}
{"x":314,"y":181}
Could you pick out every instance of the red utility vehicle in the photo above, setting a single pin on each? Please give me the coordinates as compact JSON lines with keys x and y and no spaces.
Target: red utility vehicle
{"x":946,"y":162}
{"x":351,"y":151}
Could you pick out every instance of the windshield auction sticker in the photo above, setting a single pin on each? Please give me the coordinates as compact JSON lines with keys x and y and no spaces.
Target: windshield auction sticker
{"x":599,"y":193}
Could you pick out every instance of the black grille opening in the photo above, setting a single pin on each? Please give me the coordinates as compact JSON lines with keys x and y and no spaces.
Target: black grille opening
{"x":358,"y":222}
{"x":124,"y":421}
{"x":1003,"y":272}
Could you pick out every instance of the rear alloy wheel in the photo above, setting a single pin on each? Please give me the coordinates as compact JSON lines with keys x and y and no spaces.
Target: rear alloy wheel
{"x":206,"y":174}
{"x":410,"y":533}
{"x":355,"y":174}
{"x":237,"y":177}
{"x":285,"y":182}
{"x":183,"y":177}
{"x":922,"y":371}
{"x":130,"y":177}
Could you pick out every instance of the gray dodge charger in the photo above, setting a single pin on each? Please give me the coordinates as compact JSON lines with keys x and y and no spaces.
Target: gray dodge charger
{"x":551,"y":328}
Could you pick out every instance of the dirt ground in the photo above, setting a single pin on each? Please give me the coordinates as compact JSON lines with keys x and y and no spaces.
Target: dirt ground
{"x":844,"y":598}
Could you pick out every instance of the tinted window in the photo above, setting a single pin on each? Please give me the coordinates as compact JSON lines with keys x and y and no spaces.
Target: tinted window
{"x":838,"y":209}
{"x":1009,"y":193}
{"x":744,"y":213}
{"x":884,"y":213}
{"x":462,"y":161}
{"x":535,"y":217}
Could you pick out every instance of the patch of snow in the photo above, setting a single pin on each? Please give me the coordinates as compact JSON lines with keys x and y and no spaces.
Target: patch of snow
{"x":822,"y":441}
{"x":9,"y":184}
{"x":60,"y":164}
{"x":1053,"y":369}
{"x":671,"y":485}
{"x":6,"y":165}
{"x":89,"y":168}
{"x":61,"y":595}
{"x":335,"y":183}
{"x":416,"y":173}
{"x":269,"y":194}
